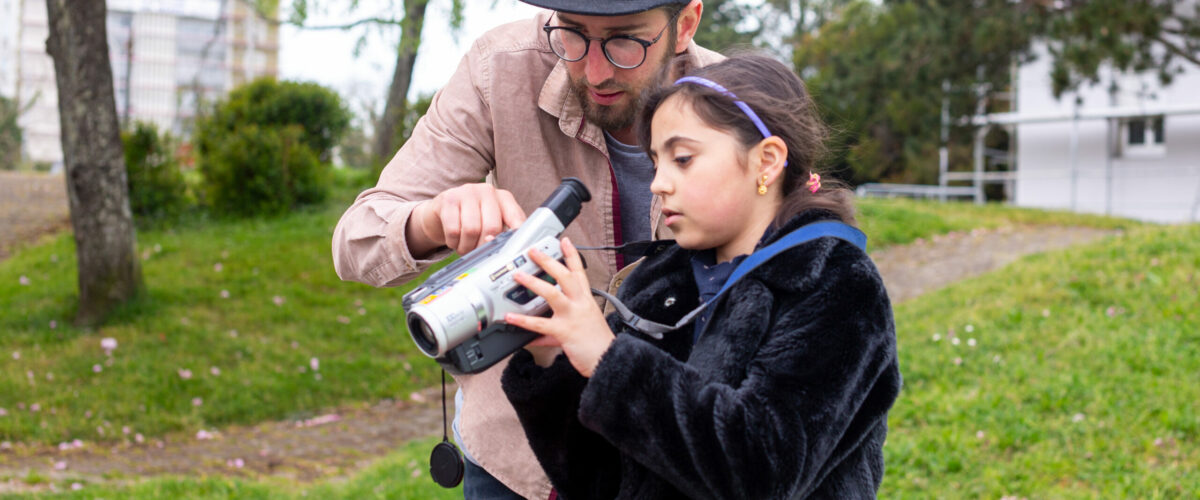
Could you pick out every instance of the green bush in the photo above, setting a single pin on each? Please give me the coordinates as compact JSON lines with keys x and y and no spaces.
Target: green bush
{"x":156,"y":186}
{"x":265,"y":102}
{"x":261,"y":149}
{"x":263,"y":170}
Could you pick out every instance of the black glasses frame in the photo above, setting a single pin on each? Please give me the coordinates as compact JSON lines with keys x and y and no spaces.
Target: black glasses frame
{"x":604,"y":41}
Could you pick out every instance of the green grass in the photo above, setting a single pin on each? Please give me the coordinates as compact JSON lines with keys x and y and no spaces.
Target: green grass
{"x":250,"y":356}
{"x":1082,"y":381}
{"x":402,"y":474}
{"x":245,"y":306}
{"x":1128,"y":375}
{"x":898,"y":221}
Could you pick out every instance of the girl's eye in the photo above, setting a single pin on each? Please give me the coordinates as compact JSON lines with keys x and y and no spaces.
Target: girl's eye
{"x":683,"y":160}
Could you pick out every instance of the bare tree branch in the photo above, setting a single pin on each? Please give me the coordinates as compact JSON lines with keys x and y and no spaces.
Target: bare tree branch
{"x":1175,"y":49}
{"x":265,"y":16}
{"x":368,"y":20}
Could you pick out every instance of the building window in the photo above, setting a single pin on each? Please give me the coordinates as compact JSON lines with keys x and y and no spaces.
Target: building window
{"x":1144,"y":137}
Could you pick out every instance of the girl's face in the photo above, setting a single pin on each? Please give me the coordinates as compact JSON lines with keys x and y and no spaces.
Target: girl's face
{"x":708,"y":183}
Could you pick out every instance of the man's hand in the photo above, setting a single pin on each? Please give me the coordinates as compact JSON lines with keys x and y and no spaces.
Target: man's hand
{"x":461,"y":218}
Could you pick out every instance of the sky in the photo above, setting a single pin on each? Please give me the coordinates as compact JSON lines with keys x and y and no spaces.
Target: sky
{"x":327,"y":56}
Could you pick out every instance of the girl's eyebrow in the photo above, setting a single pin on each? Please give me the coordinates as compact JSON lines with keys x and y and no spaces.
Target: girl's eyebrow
{"x":670,"y":143}
{"x":675,"y":139}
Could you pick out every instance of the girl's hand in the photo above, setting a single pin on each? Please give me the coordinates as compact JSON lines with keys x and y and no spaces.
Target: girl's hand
{"x":577,"y":323}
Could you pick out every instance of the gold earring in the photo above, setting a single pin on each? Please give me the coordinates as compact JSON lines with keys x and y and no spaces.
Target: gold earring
{"x":762,"y":185}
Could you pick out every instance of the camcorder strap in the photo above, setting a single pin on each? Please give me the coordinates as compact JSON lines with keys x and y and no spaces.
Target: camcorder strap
{"x":800,"y":236}
{"x":446,"y":462}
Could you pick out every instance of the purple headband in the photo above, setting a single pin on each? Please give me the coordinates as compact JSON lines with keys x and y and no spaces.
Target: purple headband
{"x":762,"y":128}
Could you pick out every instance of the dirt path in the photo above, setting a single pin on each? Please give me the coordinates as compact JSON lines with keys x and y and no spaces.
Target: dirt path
{"x":926,"y":265}
{"x":31,"y":205}
{"x":343,"y":440}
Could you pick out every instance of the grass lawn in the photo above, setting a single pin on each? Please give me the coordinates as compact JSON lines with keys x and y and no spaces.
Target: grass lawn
{"x":241,"y":322}
{"x":898,"y":221}
{"x":245,"y":321}
{"x":1066,"y":375}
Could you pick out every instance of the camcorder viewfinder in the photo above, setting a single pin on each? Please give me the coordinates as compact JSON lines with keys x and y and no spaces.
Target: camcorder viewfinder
{"x":456,"y":316}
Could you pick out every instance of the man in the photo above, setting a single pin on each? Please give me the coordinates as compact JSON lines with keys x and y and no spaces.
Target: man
{"x":531,"y":102}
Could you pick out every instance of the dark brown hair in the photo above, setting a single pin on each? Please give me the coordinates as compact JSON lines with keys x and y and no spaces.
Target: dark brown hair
{"x":781,"y":101}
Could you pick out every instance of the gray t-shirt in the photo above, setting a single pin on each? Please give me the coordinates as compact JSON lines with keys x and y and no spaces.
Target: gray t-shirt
{"x":634,"y":172}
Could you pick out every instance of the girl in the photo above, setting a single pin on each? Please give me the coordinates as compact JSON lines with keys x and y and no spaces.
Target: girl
{"x":780,"y":388}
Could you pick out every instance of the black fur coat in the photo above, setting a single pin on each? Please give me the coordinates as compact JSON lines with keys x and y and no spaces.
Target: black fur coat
{"x":784,"y":395}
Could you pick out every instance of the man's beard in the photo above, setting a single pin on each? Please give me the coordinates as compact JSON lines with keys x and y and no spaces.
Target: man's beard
{"x":611,"y":117}
{"x":621,"y":115}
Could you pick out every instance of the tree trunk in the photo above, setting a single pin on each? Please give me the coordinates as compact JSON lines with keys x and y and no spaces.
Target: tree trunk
{"x":97,"y":189}
{"x":386,"y":137}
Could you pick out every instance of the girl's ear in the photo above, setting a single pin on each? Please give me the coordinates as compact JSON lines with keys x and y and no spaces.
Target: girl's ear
{"x":771,"y":154}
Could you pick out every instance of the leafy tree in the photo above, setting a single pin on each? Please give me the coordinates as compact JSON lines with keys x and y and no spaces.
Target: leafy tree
{"x":389,"y":132}
{"x":878,"y":70}
{"x":771,"y":25}
{"x":1160,"y":36}
{"x":724,"y":26}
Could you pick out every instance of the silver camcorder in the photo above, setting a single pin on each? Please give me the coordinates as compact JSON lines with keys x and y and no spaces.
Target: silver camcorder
{"x":457,"y":315}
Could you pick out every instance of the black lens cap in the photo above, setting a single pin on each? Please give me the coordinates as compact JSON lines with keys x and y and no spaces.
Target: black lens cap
{"x":446,"y":465}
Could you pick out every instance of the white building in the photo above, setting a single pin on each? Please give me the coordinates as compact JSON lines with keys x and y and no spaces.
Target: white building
{"x":1128,"y":146}
{"x":167,"y":55}
{"x":9,"y":20}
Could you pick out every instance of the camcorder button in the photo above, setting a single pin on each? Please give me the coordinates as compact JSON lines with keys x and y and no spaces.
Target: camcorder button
{"x":520,"y":295}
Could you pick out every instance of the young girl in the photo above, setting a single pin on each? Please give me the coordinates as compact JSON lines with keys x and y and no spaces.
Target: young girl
{"x":780,"y":388}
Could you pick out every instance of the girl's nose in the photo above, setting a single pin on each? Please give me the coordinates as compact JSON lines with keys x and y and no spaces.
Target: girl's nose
{"x":660,"y":186}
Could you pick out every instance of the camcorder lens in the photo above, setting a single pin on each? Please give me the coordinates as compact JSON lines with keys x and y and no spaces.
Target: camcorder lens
{"x":423,"y":335}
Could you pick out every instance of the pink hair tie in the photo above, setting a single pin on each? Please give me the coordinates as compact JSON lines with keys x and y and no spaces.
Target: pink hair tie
{"x":814,"y":182}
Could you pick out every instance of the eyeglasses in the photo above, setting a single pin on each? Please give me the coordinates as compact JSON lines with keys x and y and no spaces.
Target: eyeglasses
{"x":623,"y":51}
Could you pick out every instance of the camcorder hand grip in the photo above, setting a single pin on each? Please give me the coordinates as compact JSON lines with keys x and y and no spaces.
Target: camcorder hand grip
{"x":456,"y":316}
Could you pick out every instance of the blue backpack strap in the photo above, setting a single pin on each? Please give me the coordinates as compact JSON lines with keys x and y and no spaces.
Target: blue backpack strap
{"x":799,"y":236}
{"x":802,"y":235}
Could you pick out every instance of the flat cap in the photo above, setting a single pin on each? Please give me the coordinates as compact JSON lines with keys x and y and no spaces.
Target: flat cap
{"x":602,"y":7}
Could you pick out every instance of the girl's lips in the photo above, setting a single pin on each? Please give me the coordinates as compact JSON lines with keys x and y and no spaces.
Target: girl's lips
{"x":670,"y":216}
{"x":605,"y":98}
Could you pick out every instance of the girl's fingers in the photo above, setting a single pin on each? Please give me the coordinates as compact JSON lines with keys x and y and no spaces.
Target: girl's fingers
{"x":545,"y":341}
{"x":563,"y":276}
{"x":574,"y":263}
{"x":545,"y":290}
{"x":532,"y":323}
{"x":551,"y":266}
{"x":577,"y":285}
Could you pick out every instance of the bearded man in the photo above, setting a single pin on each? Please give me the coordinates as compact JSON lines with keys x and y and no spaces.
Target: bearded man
{"x":532,"y":102}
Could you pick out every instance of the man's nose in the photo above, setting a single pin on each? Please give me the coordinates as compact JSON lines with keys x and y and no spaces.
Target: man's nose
{"x":599,"y":68}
